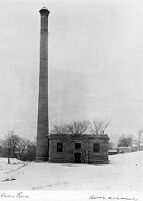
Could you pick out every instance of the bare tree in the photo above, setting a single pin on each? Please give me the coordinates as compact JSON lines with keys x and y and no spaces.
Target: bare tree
{"x":22,"y":146}
{"x":125,"y":141}
{"x":27,"y":149}
{"x":79,"y":127}
{"x":139,"y":138}
{"x":9,"y":143}
{"x":76,"y":127}
{"x":14,"y":146}
{"x":59,"y":129}
{"x":111,"y":145}
{"x":98,"y":127}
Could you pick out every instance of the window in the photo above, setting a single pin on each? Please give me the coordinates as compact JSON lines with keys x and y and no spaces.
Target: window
{"x":96,"y":147}
{"x":77,"y":145}
{"x":59,"y":147}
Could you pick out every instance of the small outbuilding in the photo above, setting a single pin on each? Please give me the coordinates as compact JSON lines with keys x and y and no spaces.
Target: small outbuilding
{"x":124,"y":149}
{"x":77,"y":148}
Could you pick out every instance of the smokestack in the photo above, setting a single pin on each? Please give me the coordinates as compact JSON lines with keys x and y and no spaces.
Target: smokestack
{"x":42,"y":123}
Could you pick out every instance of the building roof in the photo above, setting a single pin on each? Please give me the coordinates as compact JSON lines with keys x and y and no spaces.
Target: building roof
{"x":77,"y":136}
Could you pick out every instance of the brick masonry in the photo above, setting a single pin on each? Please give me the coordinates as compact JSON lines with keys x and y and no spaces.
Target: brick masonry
{"x":42,"y":123}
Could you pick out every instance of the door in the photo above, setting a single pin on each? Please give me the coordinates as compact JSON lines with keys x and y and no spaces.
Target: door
{"x":77,"y":157}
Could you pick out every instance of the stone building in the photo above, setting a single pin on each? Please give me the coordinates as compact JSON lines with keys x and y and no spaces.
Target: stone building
{"x":61,"y":148}
{"x":83,"y":148}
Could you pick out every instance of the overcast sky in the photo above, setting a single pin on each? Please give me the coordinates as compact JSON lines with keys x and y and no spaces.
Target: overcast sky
{"x":95,"y":64}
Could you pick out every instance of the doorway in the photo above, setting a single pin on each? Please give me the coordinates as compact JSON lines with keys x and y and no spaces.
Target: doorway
{"x":77,"y":157}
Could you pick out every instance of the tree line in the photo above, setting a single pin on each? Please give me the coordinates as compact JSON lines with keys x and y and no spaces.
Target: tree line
{"x":129,"y":141}
{"x":13,"y":146}
{"x":96,"y":127}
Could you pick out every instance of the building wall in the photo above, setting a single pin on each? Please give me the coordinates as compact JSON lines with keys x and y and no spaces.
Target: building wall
{"x":86,"y":150}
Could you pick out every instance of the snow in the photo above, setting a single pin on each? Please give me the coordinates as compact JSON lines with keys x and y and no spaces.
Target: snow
{"x":123,"y":173}
{"x":14,"y":164}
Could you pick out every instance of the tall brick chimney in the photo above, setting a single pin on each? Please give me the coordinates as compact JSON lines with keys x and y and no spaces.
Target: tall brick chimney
{"x":42,"y":123}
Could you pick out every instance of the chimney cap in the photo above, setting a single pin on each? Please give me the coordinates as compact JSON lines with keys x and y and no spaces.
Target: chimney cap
{"x":44,"y":10}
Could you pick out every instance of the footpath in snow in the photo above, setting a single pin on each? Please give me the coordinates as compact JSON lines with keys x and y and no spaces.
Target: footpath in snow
{"x":123,"y":173}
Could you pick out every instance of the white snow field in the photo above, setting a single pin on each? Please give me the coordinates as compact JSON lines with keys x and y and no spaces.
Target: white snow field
{"x":123,"y":173}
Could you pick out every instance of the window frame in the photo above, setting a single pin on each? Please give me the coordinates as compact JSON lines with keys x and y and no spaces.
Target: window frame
{"x":95,"y":150}
{"x":77,"y":143}
{"x":59,"y":149}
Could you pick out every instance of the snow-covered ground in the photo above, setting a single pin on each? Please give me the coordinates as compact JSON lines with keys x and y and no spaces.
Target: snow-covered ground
{"x":123,"y":173}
